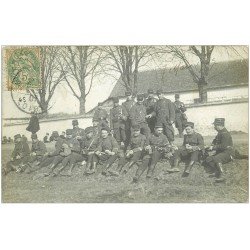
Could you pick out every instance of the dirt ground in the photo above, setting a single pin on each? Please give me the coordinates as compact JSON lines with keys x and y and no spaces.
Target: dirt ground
{"x":23,"y":188}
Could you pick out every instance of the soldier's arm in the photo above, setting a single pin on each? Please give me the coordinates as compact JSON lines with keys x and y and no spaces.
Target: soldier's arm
{"x":225,"y":142}
{"x":200,"y":145}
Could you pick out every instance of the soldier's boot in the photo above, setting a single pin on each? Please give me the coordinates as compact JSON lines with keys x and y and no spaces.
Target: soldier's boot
{"x":150,"y":172}
{"x":91,"y":170}
{"x":174,"y":168}
{"x":219,"y":173}
{"x":188,"y":169}
{"x":51,"y":168}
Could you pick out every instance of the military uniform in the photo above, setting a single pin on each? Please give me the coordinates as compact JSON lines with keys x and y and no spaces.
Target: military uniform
{"x":149,"y":103}
{"x":138,"y":117}
{"x":38,"y":148}
{"x":101,"y":117}
{"x":78,"y":133}
{"x":46,"y":139}
{"x":180,"y":116}
{"x":117,"y":122}
{"x":134,"y":151}
{"x":164,"y":112}
{"x":159,"y":148}
{"x":20,"y":155}
{"x":104,"y":158}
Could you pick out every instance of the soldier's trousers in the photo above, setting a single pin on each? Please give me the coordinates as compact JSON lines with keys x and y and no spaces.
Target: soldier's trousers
{"x":168,"y":129}
{"x":222,"y":157}
{"x":105,"y":160}
{"x":179,"y":123}
{"x":72,"y":159}
{"x":151,"y":124}
{"x":133,"y":158}
{"x":120,"y":134}
{"x":187,"y":156}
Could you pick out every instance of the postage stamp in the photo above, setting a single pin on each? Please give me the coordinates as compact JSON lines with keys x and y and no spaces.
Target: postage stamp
{"x":22,"y":68}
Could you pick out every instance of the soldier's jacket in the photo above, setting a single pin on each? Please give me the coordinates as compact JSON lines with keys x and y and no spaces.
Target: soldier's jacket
{"x":100,"y":114}
{"x":179,"y":107}
{"x":164,"y":110}
{"x":159,"y":142}
{"x":21,"y":149}
{"x":117,"y":117}
{"x":196,"y":140}
{"x":39,"y":148}
{"x":128,"y":104}
{"x":58,"y":147}
{"x":138,"y":114}
{"x":137,"y":142}
{"x":90,"y":144}
{"x":149,"y":103}
{"x":108,"y":143}
{"x":74,"y":144}
{"x":79,"y":132}
{"x":223,"y":141}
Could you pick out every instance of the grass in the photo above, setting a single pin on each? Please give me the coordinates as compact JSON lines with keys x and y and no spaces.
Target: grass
{"x":198,"y":188}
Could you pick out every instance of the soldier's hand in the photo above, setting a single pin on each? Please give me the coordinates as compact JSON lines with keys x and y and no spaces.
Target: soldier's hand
{"x":98,"y":153}
{"x":168,"y":155}
{"x":149,"y":116}
{"x":148,"y":147}
{"x":174,"y":147}
{"x":210,"y":148}
{"x":33,"y":154}
{"x":18,"y":157}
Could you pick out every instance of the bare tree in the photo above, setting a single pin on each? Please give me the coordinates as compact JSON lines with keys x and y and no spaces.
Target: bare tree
{"x":83,"y":64}
{"x":51,"y":76}
{"x":126,"y":60}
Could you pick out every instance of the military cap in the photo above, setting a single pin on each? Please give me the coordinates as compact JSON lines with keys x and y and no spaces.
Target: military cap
{"x":219,"y":121}
{"x":106,"y":129}
{"x":75,"y":122}
{"x":177,"y":95}
{"x":140,"y":97}
{"x":89,"y":130}
{"x":136,"y":127}
{"x":150,"y":91}
{"x":69,"y":131}
{"x":33,"y":136}
{"x":17,"y":136}
{"x":158,"y":126}
{"x":159,"y":91}
{"x":55,"y":134}
{"x":115,"y":99}
{"x":189,"y":124}
{"x":128,"y":93}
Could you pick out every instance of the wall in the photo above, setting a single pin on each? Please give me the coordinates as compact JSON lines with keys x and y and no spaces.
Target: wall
{"x":236,"y":115}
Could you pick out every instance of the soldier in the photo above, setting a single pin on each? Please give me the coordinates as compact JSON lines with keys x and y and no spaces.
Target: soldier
{"x":117,"y":122}
{"x":63,"y":135}
{"x":149,"y":103}
{"x":69,"y":153}
{"x":78,"y":133}
{"x":107,"y":150}
{"x":223,"y":147}
{"x":128,"y":104}
{"x":180,"y":116}
{"x":191,"y":150}
{"x":46,"y":138}
{"x":158,"y":147}
{"x":134,"y":150}
{"x":24,"y":138}
{"x":89,"y":147}
{"x":138,"y":115}
{"x":49,"y":156}
{"x":19,"y":156}
{"x":165,"y":115}
{"x":100,"y":116}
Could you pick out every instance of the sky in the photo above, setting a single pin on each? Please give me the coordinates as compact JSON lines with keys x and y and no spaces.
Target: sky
{"x":103,"y":86}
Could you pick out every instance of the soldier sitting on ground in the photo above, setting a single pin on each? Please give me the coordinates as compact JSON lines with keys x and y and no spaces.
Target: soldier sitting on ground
{"x":134,"y":150}
{"x":190,"y":152}
{"x":107,"y":151}
{"x":222,"y":145}
{"x":19,"y":156}
{"x":158,"y":147}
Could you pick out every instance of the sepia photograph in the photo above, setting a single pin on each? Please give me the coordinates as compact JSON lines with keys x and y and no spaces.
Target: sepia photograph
{"x":125,"y":124}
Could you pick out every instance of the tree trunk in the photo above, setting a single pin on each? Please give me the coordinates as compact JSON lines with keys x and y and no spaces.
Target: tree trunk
{"x":82,"y":106}
{"x":202,"y":86}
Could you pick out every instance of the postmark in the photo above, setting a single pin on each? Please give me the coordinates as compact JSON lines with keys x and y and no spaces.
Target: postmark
{"x":22,"y":68}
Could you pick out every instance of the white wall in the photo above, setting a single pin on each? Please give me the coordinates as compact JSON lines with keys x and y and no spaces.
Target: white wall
{"x":236,"y":115}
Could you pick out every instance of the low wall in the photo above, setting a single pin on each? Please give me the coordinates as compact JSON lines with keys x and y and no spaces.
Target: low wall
{"x":236,"y":115}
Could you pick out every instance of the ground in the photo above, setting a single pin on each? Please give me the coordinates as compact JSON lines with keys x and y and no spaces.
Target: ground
{"x":23,"y":188}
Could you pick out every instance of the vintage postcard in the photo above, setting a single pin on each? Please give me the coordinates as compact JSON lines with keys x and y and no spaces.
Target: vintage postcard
{"x":125,"y":124}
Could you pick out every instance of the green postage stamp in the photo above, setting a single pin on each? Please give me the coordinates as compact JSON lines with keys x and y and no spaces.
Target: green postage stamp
{"x":22,"y":67}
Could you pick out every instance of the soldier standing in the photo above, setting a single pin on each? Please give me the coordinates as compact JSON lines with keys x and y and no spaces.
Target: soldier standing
{"x":138,"y":115}
{"x":117,"y":121}
{"x":149,"y":103}
{"x":78,"y":133}
{"x":223,"y":147}
{"x":128,"y":104}
{"x":107,"y":150}
{"x":190,"y":152}
{"x":100,"y":116}
{"x":19,"y":157}
{"x":165,"y":115}
{"x":158,"y":147}
{"x":180,"y":116}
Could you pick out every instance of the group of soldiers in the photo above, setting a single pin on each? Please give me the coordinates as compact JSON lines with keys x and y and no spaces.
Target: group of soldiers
{"x":137,"y":134}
